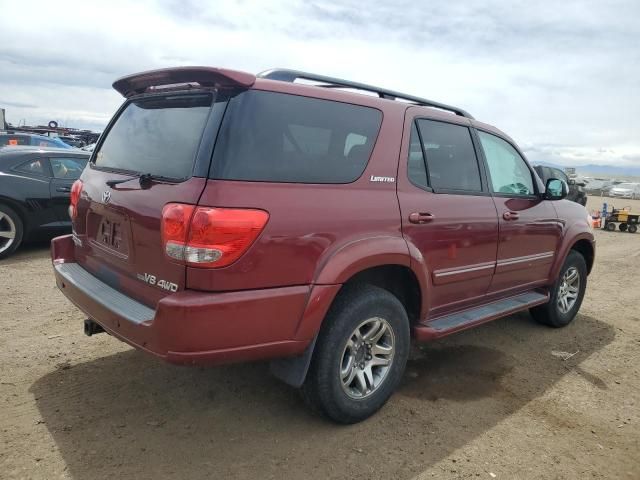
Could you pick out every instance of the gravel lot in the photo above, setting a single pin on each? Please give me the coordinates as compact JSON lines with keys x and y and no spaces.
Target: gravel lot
{"x":498,"y":401}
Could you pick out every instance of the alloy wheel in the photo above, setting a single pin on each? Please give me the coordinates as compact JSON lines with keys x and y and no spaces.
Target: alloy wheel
{"x":367,"y":358}
{"x":568,"y":290}
{"x":7,"y":231}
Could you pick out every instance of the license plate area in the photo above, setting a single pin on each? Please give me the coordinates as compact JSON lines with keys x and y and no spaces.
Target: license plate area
{"x":109,"y":232}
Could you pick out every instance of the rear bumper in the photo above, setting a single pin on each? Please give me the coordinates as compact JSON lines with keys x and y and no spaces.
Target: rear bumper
{"x":190,"y":327}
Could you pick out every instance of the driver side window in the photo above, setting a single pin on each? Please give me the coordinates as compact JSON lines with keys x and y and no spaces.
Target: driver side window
{"x":508,"y":171}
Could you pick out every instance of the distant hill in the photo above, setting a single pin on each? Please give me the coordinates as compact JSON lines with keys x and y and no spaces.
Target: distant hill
{"x":609,"y":170}
{"x":597,"y":169}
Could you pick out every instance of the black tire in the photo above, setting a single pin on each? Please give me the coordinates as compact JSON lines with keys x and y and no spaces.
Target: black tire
{"x":323,"y":390}
{"x":632,"y":228}
{"x":9,"y":219}
{"x":610,"y":226}
{"x":622,"y":227}
{"x":550,"y":313}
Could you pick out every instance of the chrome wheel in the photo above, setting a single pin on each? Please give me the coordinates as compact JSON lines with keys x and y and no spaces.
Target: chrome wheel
{"x":367,"y":358}
{"x":568,"y":290}
{"x":7,"y":231}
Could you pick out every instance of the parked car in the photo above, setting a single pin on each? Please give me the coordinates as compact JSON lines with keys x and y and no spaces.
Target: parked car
{"x":577,"y":192}
{"x":625,"y":190}
{"x":89,"y":148}
{"x":231,"y":217}
{"x":34,"y":193}
{"x":72,"y":141}
{"x":30,"y":139}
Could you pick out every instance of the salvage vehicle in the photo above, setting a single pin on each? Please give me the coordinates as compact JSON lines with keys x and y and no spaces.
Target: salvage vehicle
{"x":625,"y":190}
{"x":229,"y":217}
{"x":14,"y":139}
{"x":577,"y":192}
{"x":35,"y":184}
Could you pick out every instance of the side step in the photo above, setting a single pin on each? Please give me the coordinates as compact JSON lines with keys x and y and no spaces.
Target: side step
{"x":455,"y":322}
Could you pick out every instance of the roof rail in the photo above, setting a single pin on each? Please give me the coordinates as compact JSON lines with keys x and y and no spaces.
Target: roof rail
{"x":286,"y":75}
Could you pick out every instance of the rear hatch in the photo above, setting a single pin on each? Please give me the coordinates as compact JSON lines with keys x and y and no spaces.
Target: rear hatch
{"x":147,"y":158}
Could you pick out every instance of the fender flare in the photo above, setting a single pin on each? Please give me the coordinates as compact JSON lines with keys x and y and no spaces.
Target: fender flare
{"x":335,"y":269}
{"x":574,"y":234}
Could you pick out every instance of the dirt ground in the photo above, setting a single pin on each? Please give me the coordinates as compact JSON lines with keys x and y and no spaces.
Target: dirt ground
{"x":499,"y":401}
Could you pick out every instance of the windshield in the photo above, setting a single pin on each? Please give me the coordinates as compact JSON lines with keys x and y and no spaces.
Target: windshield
{"x":158,"y":135}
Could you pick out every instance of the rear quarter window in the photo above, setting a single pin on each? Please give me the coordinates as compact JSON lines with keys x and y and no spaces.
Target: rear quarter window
{"x":276,"y":137}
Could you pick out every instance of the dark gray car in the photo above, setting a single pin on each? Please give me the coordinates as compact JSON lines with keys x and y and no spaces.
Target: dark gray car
{"x":35,"y":184}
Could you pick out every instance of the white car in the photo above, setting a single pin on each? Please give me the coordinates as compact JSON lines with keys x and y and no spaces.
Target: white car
{"x":625,"y":190}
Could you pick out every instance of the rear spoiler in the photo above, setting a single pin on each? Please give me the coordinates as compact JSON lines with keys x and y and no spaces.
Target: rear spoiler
{"x":202,"y":76}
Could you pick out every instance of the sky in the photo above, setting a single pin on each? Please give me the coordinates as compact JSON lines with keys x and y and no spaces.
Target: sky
{"x":561,"y":78}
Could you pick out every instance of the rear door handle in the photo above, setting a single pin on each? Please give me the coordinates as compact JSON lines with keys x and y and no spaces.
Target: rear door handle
{"x":63,"y":189}
{"x":420,"y":218}
{"x":510,"y":215}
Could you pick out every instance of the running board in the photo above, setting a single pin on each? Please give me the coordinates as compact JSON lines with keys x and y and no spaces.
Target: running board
{"x":455,"y":322}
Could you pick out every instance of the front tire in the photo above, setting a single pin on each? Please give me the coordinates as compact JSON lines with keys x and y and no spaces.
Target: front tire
{"x":11,"y":231}
{"x":566,"y":295}
{"x":360,"y":355}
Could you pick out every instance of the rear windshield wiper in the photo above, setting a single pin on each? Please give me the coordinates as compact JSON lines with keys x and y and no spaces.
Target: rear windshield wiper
{"x":145,"y":179}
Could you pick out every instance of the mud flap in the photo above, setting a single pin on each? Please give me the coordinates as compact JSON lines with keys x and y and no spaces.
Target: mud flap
{"x":293,"y":370}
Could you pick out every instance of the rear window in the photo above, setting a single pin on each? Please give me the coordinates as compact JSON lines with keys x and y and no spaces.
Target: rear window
{"x":157,"y":135}
{"x":276,"y":137}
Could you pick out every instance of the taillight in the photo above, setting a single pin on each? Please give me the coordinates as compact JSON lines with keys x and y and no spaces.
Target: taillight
{"x":76,"y":189}
{"x":207,"y":236}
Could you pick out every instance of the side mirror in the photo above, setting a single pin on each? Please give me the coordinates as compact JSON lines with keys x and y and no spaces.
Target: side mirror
{"x":555,"y":189}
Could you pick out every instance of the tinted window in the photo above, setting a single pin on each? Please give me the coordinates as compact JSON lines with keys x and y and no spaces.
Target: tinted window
{"x":34,"y":167}
{"x":451,"y":158}
{"x":508,"y":171}
{"x":416,"y":170}
{"x":276,"y":137}
{"x":157,"y":135}
{"x":69,"y":168}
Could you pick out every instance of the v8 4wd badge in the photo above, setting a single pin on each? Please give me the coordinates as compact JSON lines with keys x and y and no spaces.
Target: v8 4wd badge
{"x":153,"y":280}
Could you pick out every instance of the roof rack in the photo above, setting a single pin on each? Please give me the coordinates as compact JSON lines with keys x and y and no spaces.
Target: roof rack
{"x":286,"y":75}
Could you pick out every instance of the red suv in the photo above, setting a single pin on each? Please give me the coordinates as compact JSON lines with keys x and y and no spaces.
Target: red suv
{"x":312,"y":221}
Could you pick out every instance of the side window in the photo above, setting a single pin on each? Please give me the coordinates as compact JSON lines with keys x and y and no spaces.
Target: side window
{"x":451,"y":158}
{"x":416,"y":169}
{"x":508,"y":171}
{"x":67,"y":168}
{"x":33,"y":167}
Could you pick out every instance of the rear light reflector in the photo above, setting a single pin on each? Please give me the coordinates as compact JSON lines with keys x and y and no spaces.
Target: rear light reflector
{"x":207,"y":236}
{"x":76,"y":189}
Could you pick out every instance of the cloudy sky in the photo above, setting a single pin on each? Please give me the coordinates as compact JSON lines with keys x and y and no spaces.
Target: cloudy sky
{"x":562,"y":78}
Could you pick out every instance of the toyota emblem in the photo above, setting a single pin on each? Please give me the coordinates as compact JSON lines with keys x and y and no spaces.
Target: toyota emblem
{"x":106,"y":197}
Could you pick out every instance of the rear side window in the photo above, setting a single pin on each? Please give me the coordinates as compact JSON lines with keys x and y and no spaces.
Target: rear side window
{"x":33,"y":167}
{"x":276,"y":137}
{"x":158,"y":135}
{"x":67,"y":168}
{"x":416,"y":168}
{"x":451,"y":158}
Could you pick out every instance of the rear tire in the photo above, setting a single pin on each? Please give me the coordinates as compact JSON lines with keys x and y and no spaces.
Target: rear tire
{"x":566,"y":294}
{"x":11,"y":231}
{"x":610,"y":227}
{"x":348,"y":379}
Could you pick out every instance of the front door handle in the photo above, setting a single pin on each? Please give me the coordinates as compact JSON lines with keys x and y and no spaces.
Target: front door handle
{"x":510,"y":215}
{"x":63,"y":189}
{"x":420,"y":218}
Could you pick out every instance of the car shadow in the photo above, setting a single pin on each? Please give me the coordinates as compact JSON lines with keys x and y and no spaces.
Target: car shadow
{"x":140,"y":418}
